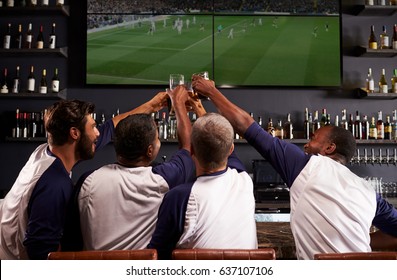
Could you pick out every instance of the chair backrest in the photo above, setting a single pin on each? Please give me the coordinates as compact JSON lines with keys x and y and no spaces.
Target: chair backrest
{"x":357,"y":256}
{"x":224,"y":254}
{"x":142,"y":254}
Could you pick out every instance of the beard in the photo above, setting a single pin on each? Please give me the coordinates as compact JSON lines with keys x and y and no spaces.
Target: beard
{"x":84,"y":148}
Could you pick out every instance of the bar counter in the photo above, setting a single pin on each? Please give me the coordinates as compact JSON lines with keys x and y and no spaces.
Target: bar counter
{"x":277,"y":235}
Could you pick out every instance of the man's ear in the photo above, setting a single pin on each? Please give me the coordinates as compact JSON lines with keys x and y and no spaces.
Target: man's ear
{"x":149,"y":151}
{"x":74,"y":133}
{"x":330,"y":149}
{"x":231,"y":149}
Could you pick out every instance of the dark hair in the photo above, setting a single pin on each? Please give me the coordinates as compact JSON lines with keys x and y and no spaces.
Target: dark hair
{"x":63,"y":115}
{"x":344,"y":141}
{"x":133,"y":135}
{"x":212,"y":137}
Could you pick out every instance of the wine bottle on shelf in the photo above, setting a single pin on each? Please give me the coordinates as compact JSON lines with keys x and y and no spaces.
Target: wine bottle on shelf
{"x":260,"y":121}
{"x":29,"y":37}
{"x":394,"y":39}
{"x":323,"y":119}
{"x":43,"y":82}
{"x":388,"y":128}
{"x":382,"y":2}
{"x":4,"y":87}
{"x":16,"y":85}
{"x":16,"y":131}
{"x":60,"y":2}
{"x":55,"y":82}
{"x":373,"y":134}
{"x":53,"y":38}
{"x":288,"y":128}
{"x":343,"y":121}
{"x":7,"y":37}
{"x":10,"y":3}
{"x":279,"y":130}
{"x":365,"y":127}
{"x":315,"y":123}
{"x":306,"y":125}
{"x":44,"y":3}
{"x":19,"y":38}
{"x":383,"y":87}
{"x":380,"y":127}
{"x":270,"y":127}
{"x":40,"y":39}
{"x":32,"y":3}
{"x":31,"y":80}
{"x":21,"y":3}
{"x":384,"y":38}
{"x":394,"y":126}
{"x":369,"y":2}
{"x":372,"y":42}
{"x":350,"y":124}
{"x":394,"y":82}
{"x":370,"y":83}
{"x":358,"y":130}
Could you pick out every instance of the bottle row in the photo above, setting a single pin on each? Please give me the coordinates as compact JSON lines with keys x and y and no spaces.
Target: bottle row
{"x":15,"y":39}
{"x":28,"y":125}
{"x":383,"y":85}
{"x":384,"y":40}
{"x":29,"y":3}
{"x":381,"y":2}
{"x":16,"y":85}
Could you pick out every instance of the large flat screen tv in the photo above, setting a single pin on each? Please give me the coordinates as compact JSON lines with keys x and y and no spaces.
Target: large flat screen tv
{"x":281,"y":43}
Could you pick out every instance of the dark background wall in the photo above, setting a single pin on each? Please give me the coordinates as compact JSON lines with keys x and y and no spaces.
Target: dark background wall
{"x":275,"y":103}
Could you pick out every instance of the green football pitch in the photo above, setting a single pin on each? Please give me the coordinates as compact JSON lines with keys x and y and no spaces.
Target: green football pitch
{"x":245,"y":51}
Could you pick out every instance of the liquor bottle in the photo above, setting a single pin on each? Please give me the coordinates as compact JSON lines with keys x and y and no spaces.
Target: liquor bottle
{"x":31,"y":80}
{"x":372,"y":42}
{"x":16,"y":85}
{"x":279,"y":130}
{"x":388,"y":128}
{"x":372,"y":129}
{"x":32,"y":3}
{"x":323,"y":119}
{"x":40,"y":39}
{"x":4,"y":87}
{"x":306,"y":125}
{"x":369,"y":2}
{"x":383,"y":87}
{"x":44,"y":3}
{"x":10,"y":3}
{"x":33,"y":124}
{"x":270,"y":127}
{"x":394,"y":39}
{"x":343,"y":121}
{"x":29,"y":37}
{"x":164,"y":127}
{"x":7,"y":37}
{"x":260,"y":121}
{"x":22,"y":3}
{"x":380,"y":127}
{"x":394,"y":126}
{"x":16,"y":131}
{"x":350,"y":124}
{"x":43,"y":82}
{"x":315,"y":123}
{"x":336,"y":120}
{"x":288,"y":128}
{"x":55,"y":82}
{"x":382,"y":2}
{"x":310,"y":125}
{"x":365,"y":127}
{"x":60,"y":2}
{"x":370,"y":83}
{"x":25,"y":126}
{"x":384,"y":38}
{"x":19,"y":38}
{"x":358,"y":130}
{"x":53,"y":38}
{"x":394,"y":82}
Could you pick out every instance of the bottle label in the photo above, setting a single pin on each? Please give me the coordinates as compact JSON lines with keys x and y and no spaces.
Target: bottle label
{"x":384,"y":89}
{"x":395,"y":45}
{"x":52,"y":42}
{"x":371,"y":85}
{"x":43,"y":89}
{"x":15,"y":86}
{"x":394,"y":86}
{"x":385,"y":42}
{"x":55,"y":86}
{"x":10,"y":3}
{"x":40,"y":44}
{"x":31,"y":84}
{"x":7,"y":41}
{"x":373,"y":45}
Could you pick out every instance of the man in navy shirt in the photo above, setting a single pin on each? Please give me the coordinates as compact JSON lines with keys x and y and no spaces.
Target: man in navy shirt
{"x":332,"y":209}
{"x":33,"y":213}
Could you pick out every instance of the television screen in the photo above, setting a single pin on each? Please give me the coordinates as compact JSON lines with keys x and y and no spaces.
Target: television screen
{"x":240,"y":43}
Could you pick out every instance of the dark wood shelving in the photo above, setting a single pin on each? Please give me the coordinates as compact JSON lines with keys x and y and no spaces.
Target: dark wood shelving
{"x":63,"y":52}
{"x":27,"y":95}
{"x":367,"y":52}
{"x":376,"y":10}
{"x":31,"y":11}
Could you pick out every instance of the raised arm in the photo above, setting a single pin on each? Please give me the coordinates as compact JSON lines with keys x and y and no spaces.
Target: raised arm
{"x":155,"y":104}
{"x":179,"y":97}
{"x":239,"y":118}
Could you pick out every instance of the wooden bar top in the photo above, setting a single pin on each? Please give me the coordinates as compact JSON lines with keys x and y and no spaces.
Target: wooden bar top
{"x":276,"y":235}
